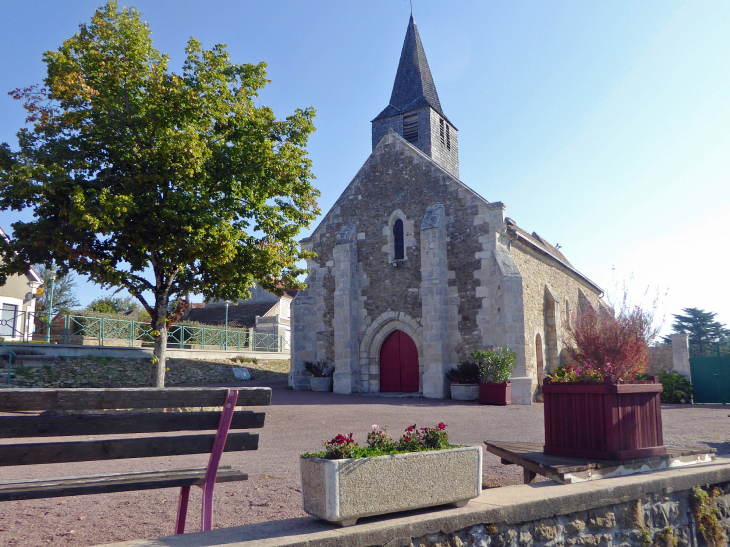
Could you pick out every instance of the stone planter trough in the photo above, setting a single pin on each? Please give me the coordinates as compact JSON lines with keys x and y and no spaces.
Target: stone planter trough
{"x":320,"y":384}
{"x":343,"y":491}
{"x":465,"y":392}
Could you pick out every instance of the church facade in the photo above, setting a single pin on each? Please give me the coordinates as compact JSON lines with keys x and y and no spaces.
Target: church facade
{"x":415,"y":270}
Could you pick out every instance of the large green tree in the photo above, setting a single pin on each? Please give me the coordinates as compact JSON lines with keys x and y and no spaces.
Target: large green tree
{"x":157,"y":182}
{"x":701,"y":327}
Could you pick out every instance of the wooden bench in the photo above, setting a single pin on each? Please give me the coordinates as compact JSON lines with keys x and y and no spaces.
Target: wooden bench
{"x":119,"y":418}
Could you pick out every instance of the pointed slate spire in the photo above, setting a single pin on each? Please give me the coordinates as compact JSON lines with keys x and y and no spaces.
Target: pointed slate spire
{"x":413,"y":87}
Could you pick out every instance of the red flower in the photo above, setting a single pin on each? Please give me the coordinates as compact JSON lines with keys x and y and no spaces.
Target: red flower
{"x":442,"y":426}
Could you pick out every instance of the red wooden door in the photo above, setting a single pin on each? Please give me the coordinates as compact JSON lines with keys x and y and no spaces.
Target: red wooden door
{"x":399,"y":363}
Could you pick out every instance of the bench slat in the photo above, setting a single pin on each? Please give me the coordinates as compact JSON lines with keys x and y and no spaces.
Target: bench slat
{"x":79,"y":451}
{"x":14,"y":400}
{"x":119,"y":482}
{"x":112,"y":424}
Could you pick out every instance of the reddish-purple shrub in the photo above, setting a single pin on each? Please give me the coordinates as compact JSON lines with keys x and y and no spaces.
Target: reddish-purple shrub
{"x":604,"y":346}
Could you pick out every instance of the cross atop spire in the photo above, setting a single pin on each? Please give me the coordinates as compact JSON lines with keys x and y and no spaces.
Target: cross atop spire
{"x":413,"y":87}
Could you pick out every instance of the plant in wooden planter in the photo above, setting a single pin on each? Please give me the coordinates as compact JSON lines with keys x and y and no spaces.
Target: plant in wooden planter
{"x":346,"y":482}
{"x":321,"y":372}
{"x":595,"y":407}
{"x":495,"y":368}
{"x":464,"y":380}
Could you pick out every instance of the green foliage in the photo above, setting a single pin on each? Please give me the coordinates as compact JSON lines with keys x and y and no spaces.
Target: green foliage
{"x":705,"y":510}
{"x":464,"y":373}
{"x":495,"y":366}
{"x":242,"y":359}
{"x":667,"y":537}
{"x":646,"y":539}
{"x":64,"y":295}
{"x":676,"y":388}
{"x":114,"y":305}
{"x":702,"y":329}
{"x":135,"y":172}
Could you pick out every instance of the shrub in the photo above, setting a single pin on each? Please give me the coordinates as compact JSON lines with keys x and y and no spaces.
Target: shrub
{"x":319,"y":369}
{"x":612,"y":347}
{"x":677,"y":389}
{"x":464,"y":373}
{"x":495,"y":365}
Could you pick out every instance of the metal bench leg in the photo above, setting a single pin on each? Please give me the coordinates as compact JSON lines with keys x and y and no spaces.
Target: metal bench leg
{"x":206,"y":520}
{"x":182,"y":510}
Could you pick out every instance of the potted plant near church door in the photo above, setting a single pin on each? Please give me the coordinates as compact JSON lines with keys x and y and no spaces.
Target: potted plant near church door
{"x":399,"y":364}
{"x":495,"y":368}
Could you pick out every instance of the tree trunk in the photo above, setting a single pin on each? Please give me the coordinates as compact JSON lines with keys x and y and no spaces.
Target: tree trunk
{"x":159,"y":351}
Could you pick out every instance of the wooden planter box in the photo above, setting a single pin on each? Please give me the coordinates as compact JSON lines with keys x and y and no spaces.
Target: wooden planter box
{"x":603,"y":421}
{"x":464,"y":392}
{"x":343,"y":491}
{"x":495,"y":394}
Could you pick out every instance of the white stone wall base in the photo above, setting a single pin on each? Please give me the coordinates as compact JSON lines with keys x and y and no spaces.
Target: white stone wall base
{"x":435,"y":386}
{"x":521,"y":390}
{"x":344,"y":383}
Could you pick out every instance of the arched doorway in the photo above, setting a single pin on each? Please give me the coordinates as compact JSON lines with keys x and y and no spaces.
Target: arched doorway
{"x":399,"y":363}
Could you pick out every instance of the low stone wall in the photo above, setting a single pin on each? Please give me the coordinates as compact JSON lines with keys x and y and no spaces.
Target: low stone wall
{"x":63,"y":350}
{"x":647,"y":510}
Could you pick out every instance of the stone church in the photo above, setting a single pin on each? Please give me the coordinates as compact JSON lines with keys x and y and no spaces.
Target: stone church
{"x":415,"y":270}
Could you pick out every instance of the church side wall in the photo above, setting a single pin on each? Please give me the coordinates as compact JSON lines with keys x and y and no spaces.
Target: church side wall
{"x":547,"y":287}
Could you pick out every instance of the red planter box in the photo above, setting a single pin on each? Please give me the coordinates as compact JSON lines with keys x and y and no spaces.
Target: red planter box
{"x":495,"y":394}
{"x":603,"y":421}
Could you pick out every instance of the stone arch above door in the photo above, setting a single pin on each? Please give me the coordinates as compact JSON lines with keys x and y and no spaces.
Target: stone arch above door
{"x":373,"y":339}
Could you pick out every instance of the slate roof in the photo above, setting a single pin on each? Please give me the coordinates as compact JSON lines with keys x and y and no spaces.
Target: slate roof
{"x":413,"y":87}
{"x":243,"y":315}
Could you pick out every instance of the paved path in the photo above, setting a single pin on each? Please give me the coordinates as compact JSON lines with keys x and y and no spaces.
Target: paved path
{"x":297,"y":421}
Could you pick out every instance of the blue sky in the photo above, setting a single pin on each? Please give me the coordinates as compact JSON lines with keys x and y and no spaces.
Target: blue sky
{"x":605,"y":127}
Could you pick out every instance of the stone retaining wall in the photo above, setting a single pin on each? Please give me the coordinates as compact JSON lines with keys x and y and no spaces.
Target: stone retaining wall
{"x":631,"y":511}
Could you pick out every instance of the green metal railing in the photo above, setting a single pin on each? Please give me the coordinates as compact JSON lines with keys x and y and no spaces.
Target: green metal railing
{"x":84,"y":330}
{"x":11,"y":353}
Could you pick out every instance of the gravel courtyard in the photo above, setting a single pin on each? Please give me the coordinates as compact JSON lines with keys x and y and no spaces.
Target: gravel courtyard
{"x":296,"y":422}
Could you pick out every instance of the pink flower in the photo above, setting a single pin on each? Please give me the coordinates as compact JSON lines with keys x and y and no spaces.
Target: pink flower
{"x":375,"y":426}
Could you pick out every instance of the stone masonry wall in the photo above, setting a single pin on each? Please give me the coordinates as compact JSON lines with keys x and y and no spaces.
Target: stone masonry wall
{"x":657,"y":521}
{"x":545,"y":279}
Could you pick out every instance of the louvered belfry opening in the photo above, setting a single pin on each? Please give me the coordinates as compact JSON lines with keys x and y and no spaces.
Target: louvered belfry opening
{"x":399,"y":250}
{"x":410,"y":127}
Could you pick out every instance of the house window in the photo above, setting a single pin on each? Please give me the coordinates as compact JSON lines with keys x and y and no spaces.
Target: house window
{"x":410,"y":127}
{"x":441,"y":128}
{"x":8,"y":315}
{"x":398,"y":240}
{"x":448,"y":138}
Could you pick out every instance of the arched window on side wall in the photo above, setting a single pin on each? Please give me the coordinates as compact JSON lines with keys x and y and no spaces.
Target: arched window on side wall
{"x":398,"y":240}
{"x":540,"y":365}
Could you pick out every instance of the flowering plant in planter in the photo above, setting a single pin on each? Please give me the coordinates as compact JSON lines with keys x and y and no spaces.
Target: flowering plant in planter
{"x":345,"y":481}
{"x":379,"y":443}
{"x":620,"y":416}
{"x":603,"y":346}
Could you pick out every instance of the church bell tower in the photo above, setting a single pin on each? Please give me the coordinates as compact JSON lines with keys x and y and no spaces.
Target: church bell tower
{"x":415,"y":111}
